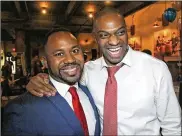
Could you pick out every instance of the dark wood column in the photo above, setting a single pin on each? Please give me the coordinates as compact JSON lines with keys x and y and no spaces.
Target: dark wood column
{"x":20,"y":41}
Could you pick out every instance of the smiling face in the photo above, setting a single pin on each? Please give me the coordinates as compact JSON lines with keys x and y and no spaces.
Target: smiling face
{"x":64,"y":57}
{"x":111,"y":35}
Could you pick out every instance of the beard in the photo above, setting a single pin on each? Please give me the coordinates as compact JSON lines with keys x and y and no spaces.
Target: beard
{"x":64,"y":75}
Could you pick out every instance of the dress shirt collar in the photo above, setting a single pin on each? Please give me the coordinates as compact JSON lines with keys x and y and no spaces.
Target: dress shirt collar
{"x":127,"y":60}
{"x":62,"y":88}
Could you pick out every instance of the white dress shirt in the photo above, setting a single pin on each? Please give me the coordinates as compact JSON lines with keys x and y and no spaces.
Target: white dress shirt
{"x":84,"y":100}
{"x":146,"y":98}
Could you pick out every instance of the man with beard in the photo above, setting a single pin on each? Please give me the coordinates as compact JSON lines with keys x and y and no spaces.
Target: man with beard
{"x":71,"y":111}
{"x":132,"y":90}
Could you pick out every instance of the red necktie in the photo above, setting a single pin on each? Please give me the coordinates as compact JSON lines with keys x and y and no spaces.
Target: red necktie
{"x":79,"y":110}
{"x":110,"y":103}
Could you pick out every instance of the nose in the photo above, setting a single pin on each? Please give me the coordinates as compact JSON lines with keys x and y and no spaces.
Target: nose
{"x":113,"y":40}
{"x":69,"y":58}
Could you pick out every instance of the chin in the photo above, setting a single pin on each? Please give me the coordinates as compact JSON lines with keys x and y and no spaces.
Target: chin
{"x":71,"y":80}
{"x":71,"y":83}
{"x":115,"y":62}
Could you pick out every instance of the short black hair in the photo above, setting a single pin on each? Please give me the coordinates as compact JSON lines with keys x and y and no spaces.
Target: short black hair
{"x":147,"y":51}
{"x":54,"y":31}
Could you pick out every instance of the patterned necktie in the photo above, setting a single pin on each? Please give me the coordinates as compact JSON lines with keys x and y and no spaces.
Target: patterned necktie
{"x":110,"y":103}
{"x":79,"y":110}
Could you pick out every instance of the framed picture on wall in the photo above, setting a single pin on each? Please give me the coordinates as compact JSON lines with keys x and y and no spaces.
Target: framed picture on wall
{"x":167,"y":42}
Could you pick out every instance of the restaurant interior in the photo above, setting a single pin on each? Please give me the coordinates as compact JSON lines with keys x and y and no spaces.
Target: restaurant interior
{"x":151,"y":25}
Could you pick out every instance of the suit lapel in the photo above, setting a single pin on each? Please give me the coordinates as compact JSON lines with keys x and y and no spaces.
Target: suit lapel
{"x":86,"y":91}
{"x":66,"y":112}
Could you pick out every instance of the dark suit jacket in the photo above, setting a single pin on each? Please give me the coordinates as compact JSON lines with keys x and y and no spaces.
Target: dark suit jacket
{"x":31,"y":115}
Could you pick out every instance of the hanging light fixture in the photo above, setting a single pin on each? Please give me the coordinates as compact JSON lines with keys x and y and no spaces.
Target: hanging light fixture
{"x":90,"y":8}
{"x":170,"y":14}
{"x":90,"y":15}
{"x":132,"y":28}
{"x":156,"y":24}
{"x":44,"y":10}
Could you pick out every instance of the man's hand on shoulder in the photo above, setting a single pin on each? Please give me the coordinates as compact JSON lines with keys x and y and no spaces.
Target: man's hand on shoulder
{"x":39,"y":86}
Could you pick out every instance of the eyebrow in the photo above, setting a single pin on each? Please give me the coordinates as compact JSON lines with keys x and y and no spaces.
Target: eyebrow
{"x":76,"y":46}
{"x":57,"y":50}
{"x":123,"y":27}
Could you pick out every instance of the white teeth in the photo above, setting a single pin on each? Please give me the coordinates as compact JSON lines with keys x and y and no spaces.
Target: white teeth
{"x":70,"y":70}
{"x":114,"y":53}
{"x":116,"y":49}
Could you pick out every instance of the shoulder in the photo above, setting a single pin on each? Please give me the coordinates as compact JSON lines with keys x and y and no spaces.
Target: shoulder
{"x":149,"y":66}
{"x":21,"y":115}
{"x":147,"y":60}
{"x":25,"y":98}
{"x":24,"y":102}
{"x":93,"y":64}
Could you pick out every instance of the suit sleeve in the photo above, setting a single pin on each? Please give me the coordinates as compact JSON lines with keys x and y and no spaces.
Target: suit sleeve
{"x":168,"y":109}
{"x":15,"y":123}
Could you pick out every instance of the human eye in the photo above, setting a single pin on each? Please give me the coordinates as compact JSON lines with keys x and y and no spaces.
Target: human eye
{"x":121,"y":32}
{"x":103,"y":35}
{"x":59,"y":54}
{"x":76,"y":50}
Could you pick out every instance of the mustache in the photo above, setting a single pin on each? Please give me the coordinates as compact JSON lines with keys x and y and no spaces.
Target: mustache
{"x":70,"y":64}
{"x":118,"y":45}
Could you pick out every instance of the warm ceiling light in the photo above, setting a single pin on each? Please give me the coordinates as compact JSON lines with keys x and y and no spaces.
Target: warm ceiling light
{"x":44,"y":4}
{"x":107,"y":2}
{"x":44,"y":10}
{"x":90,"y":8}
{"x":90,"y":15}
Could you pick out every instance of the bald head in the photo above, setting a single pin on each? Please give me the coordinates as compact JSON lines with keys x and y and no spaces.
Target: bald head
{"x":106,"y":15}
